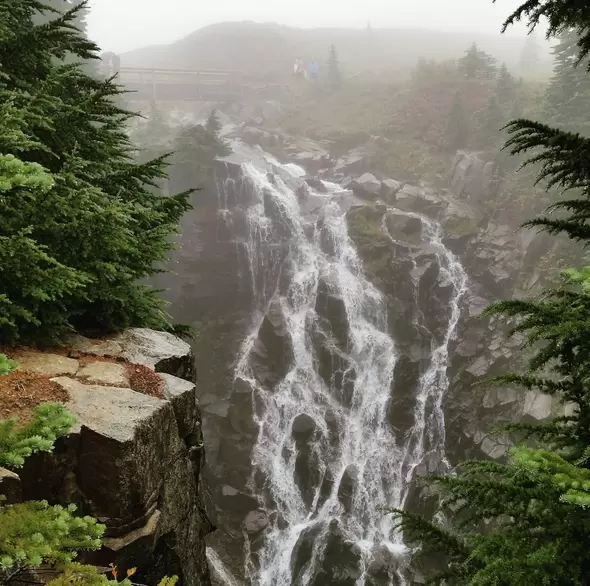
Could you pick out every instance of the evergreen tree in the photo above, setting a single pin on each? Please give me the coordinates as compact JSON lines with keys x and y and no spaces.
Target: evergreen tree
{"x":529,"y":57}
{"x":527,"y":522}
{"x":567,"y":99}
{"x":334,"y":75}
{"x":488,"y":125}
{"x":75,"y":209}
{"x":477,"y":64}
{"x":505,"y":87}
{"x":457,"y":130}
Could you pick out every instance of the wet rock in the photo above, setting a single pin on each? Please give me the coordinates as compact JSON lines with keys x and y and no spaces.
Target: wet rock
{"x":406,"y":376}
{"x":256,"y":521}
{"x":313,"y":161}
{"x":389,"y":187}
{"x":308,"y":470}
{"x":347,"y":487}
{"x":420,"y":200}
{"x":404,"y":227}
{"x":316,"y":184}
{"x":303,"y":426}
{"x":366,"y":185}
{"x":330,"y":306}
{"x":302,"y":552}
{"x":272,"y":354}
{"x":472,"y":178}
{"x":342,"y":558}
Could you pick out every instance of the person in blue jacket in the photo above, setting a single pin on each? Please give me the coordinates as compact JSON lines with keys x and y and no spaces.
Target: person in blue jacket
{"x":314,"y":69}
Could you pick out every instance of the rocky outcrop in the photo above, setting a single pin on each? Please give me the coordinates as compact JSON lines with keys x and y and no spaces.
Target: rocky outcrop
{"x":133,"y":460}
{"x":473,"y":178}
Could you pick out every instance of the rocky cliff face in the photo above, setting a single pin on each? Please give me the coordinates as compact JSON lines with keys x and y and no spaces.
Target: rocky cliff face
{"x":133,"y":461}
{"x":241,"y":269}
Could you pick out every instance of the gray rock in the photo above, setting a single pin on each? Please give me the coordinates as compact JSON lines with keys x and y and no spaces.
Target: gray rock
{"x":366,"y":185}
{"x":272,"y":353}
{"x":316,"y":184}
{"x":109,"y":373}
{"x":303,"y":426}
{"x":161,"y":351}
{"x":256,"y":521}
{"x":537,"y":405}
{"x":471,"y":177}
{"x":47,"y":364}
{"x":389,"y":188}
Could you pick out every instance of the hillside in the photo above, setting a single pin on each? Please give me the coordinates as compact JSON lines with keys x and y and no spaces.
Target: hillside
{"x":271,"y":48}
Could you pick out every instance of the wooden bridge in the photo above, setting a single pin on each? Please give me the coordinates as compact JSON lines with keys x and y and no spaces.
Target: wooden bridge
{"x":181,"y":84}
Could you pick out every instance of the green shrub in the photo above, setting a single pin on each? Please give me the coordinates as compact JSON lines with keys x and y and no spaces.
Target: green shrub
{"x":7,"y":365}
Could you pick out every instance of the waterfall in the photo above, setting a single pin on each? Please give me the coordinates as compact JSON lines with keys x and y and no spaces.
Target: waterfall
{"x":356,"y":463}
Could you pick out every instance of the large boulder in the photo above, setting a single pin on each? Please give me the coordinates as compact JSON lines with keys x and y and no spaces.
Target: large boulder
{"x":472,"y":177}
{"x":367,"y":186}
{"x":272,"y":354}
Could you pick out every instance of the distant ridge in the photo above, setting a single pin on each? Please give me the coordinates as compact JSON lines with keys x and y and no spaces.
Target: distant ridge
{"x":269,"y":48}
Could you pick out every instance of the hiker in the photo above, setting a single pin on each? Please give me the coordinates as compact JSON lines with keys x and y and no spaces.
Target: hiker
{"x":298,"y":68}
{"x":314,"y":69}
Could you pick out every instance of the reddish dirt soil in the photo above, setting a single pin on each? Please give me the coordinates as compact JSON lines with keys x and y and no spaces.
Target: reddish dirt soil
{"x":22,"y":391}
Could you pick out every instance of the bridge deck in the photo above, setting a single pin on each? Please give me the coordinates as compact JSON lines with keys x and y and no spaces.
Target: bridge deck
{"x":181,"y":84}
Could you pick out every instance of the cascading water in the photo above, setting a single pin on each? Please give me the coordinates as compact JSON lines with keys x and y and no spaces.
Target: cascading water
{"x":359,"y":465}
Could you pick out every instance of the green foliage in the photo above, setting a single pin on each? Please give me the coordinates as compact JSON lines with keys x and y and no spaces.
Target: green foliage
{"x":527,"y":522}
{"x":17,"y":442}
{"x":567,"y":99}
{"x":7,"y":365}
{"x":505,"y":87}
{"x":32,"y":533}
{"x":457,"y":130}
{"x":75,"y":209}
{"x":488,"y":125}
{"x":477,"y":64}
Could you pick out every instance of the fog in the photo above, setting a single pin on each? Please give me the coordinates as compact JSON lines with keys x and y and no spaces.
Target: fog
{"x":122,"y":25}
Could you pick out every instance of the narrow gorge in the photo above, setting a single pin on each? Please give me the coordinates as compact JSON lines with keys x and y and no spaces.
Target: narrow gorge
{"x":339,"y":339}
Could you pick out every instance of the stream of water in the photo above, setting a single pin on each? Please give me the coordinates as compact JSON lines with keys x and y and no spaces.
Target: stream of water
{"x":353,"y":440}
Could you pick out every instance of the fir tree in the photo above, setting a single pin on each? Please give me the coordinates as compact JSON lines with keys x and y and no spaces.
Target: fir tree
{"x":527,"y":522}
{"x":88,"y":226}
{"x":505,"y":87}
{"x":529,"y":57}
{"x":457,"y":130}
{"x":567,"y":99}
{"x":334,"y":75}
{"x":477,"y":64}
{"x":488,"y":125}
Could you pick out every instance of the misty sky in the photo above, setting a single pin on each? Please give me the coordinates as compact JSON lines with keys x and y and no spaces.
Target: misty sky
{"x":120,"y":25}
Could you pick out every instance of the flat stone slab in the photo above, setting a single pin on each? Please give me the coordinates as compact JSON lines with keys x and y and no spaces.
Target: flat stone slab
{"x":95,"y":347}
{"x":148,"y":347}
{"x":113,"y":412}
{"x":174,"y":386}
{"x":108,"y":373}
{"x":47,"y":364}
